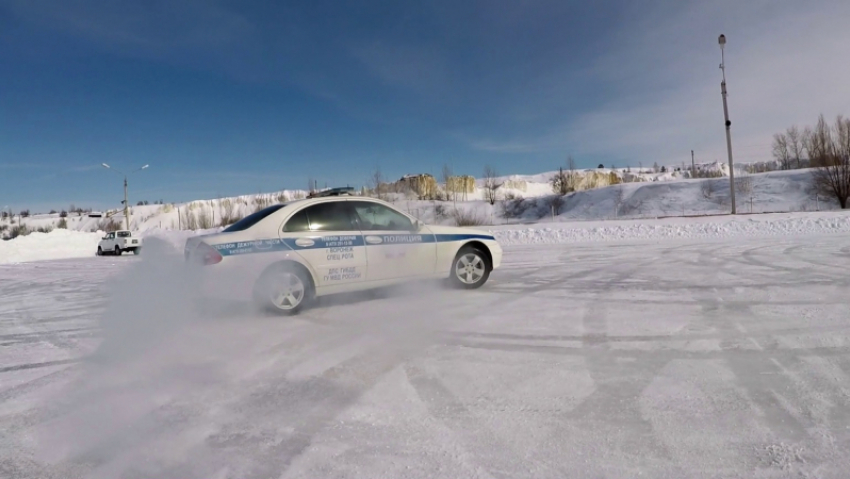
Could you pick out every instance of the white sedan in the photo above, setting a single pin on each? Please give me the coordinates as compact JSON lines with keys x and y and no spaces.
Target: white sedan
{"x":287,"y":254}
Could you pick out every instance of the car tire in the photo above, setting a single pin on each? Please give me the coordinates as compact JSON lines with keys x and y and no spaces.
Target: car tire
{"x":99,"y":251}
{"x":117,"y":251}
{"x":284,"y":290}
{"x":470,"y":268}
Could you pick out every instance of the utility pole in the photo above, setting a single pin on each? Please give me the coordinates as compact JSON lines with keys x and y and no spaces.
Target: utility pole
{"x":722,"y":41}
{"x":126,"y":200}
{"x":693,"y":166}
{"x":126,"y":205}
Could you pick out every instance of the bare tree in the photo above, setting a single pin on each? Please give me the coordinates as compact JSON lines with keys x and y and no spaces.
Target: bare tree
{"x":556,"y":202}
{"x":204,"y":221}
{"x":490,"y":186}
{"x":572,"y":176}
{"x":780,"y":150}
{"x":829,"y":152}
{"x":448,"y":179}
{"x":571,"y":164}
{"x":377,"y":184}
{"x":226,"y":214}
{"x":795,"y":145}
{"x":561,"y":183}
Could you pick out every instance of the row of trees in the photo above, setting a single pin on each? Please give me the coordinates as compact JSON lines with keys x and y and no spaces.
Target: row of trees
{"x":789,"y":147}
{"x":826,"y":149}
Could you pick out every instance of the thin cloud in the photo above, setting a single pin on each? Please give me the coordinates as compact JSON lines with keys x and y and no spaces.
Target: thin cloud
{"x":416,"y":68}
{"x":666,"y":84}
{"x":22,"y":166}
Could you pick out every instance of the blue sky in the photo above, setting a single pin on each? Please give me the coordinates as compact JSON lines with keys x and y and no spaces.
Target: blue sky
{"x":229,"y":97}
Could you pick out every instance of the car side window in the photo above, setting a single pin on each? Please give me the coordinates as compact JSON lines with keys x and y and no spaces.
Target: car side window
{"x":333,"y":216}
{"x":297,"y":223}
{"x":376,"y":217}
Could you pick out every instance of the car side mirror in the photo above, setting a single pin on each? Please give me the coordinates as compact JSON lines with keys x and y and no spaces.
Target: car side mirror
{"x":417,"y":225}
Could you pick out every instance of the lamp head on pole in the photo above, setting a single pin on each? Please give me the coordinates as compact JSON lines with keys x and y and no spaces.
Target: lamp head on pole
{"x":105,"y":165}
{"x":722,"y":41}
{"x":142,"y":168}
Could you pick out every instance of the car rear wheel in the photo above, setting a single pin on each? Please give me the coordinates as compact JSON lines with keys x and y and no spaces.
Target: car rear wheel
{"x":284,"y":290}
{"x":471,"y":268}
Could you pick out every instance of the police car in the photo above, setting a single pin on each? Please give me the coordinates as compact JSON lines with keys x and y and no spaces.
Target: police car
{"x":287,"y":254}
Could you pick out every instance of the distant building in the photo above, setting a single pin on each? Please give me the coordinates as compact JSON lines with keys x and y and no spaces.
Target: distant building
{"x":520,"y":185}
{"x":423,"y":185}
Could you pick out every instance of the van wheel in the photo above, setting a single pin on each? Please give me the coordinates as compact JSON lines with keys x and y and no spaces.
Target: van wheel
{"x":283,"y":290}
{"x":117,"y":251}
{"x":470,"y":269}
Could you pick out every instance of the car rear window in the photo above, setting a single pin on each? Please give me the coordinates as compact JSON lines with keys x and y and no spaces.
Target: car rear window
{"x":124,"y":234}
{"x":252,"y":219}
{"x":333,"y":216}
{"x":297,"y":222}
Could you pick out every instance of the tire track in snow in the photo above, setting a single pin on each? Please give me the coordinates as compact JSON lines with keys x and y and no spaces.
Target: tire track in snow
{"x":619,"y":386}
{"x":750,"y":374}
{"x":497,"y":456}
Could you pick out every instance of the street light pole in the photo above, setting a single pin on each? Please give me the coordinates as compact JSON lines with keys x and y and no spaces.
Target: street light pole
{"x":722,"y":41}
{"x":126,"y":199}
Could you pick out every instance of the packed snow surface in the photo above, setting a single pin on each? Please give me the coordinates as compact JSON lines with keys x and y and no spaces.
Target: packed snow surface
{"x":71,"y":244}
{"x":663,"y":359}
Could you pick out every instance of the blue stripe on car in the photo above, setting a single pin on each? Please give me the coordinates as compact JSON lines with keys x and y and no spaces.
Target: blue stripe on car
{"x":334,"y":241}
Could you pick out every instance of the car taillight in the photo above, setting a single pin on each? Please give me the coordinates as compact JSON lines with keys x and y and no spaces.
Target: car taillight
{"x":206,"y":254}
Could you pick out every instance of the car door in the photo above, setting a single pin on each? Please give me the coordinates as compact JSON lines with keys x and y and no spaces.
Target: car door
{"x":325,"y":236}
{"x":395,"y":248}
{"x":109,"y":242}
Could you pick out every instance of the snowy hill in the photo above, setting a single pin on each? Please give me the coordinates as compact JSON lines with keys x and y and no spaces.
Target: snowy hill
{"x":602,"y":194}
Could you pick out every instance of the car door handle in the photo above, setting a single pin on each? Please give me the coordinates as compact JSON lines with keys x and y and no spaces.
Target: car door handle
{"x":304,"y":242}
{"x":374,"y":240}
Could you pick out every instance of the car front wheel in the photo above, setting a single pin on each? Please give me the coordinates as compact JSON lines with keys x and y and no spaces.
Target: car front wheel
{"x":471,"y":268}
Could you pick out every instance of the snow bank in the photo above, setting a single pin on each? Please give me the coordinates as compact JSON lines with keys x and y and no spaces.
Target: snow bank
{"x":58,"y":244}
{"x":675,"y":228}
{"x":63,"y":244}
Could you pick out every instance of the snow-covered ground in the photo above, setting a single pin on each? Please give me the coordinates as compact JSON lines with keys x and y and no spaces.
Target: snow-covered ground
{"x":670,"y":358}
{"x":60,"y":244}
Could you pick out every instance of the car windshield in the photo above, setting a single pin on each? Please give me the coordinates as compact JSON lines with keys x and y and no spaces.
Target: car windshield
{"x":253,"y":218}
